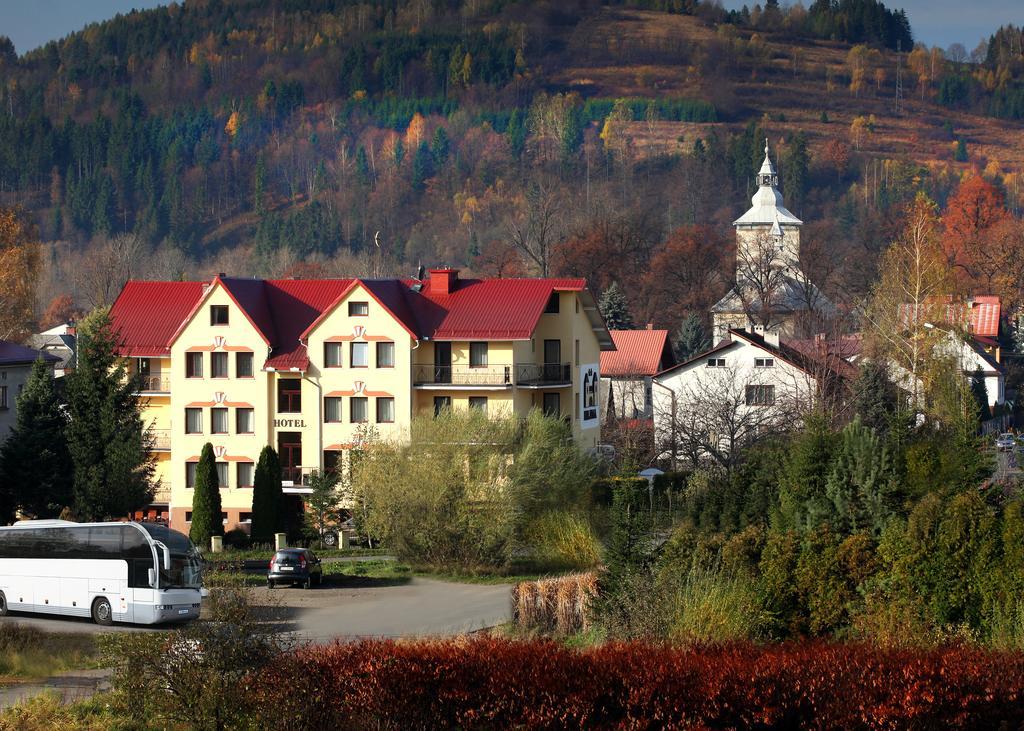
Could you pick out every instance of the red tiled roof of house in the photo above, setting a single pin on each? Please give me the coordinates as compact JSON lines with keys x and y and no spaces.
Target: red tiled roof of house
{"x":149,"y":315}
{"x":487,"y":309}
{"x":985,"y":312}
{"x":637,"y":353}
{"x":146,"y":315}
{"x":979,"y":314}
{"x":14,"y":354}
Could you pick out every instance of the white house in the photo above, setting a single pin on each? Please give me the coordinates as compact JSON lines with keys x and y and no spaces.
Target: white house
{"x":721,"y":400}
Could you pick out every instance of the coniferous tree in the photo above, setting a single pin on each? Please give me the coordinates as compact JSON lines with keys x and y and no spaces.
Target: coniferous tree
{"x":614,"y":308}
{"x":206,"y":506}
{"x":35,"y":466}
{"x":980,"y":392}
{"x":860,"y":486}
{"x":267,"y":498}
{"x":107,"y":440}
{"x":439,"y":147}
{"x":422,"y":167}
{"x":691,"y":339}
{"x":875,"y":397}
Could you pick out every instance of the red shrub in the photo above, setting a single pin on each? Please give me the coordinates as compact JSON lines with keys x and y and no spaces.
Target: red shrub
{"x":490,"y":683}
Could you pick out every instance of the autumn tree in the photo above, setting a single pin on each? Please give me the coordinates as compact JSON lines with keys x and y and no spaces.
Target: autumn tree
{"x":61,"y":309}
{"x":688,"y":273}
{"x":19,"y":274}
{"x":910,"y":298}
{"x":971,"y":212}
{"x":614,"y":130}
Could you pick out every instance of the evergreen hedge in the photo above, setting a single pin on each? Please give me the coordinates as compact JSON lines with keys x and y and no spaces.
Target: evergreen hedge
{"x":206,"y":507}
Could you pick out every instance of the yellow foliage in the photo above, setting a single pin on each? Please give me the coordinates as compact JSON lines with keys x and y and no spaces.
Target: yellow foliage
{"x":20,"y":259}
{"x":234,"y":122}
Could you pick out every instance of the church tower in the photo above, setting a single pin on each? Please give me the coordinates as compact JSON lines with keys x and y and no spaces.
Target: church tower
{"x":770,"y":290}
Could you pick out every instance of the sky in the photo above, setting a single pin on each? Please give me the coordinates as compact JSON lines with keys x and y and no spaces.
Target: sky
{"x":31,"y":23}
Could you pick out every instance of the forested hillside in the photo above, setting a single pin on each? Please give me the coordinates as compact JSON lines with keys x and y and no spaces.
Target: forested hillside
{"x":610,"y":140}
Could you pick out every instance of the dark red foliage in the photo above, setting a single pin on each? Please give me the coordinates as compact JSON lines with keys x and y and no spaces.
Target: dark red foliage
{"x":491,"y":683}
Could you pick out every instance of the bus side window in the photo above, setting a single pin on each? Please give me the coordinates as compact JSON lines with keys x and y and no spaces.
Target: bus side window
{"x":105,"y":541}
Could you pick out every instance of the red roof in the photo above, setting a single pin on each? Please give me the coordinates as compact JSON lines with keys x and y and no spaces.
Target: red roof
{"x":985,"y":316}
{"x":146,"y":315}
{"x":979,"y":314}
{"x":637,"y":353}
{"x":149,"y":315}
{"x":488,"y":309}
{"x":14,"y":354}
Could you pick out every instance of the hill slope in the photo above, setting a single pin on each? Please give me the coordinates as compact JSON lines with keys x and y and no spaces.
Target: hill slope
{"x":244,"y":136}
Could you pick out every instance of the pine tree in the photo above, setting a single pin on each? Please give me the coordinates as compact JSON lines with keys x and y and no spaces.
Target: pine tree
{"x":267,"y":498}
{"x":34,"y":461}
{"x":794,"y":170}
{"x":107,"y":440}
{"x":875,"y":397}
{"x":206,"y":507}
{"x":422,"y":167}
{"x":614,"y":309}
{"x":629,"y":527}
{"x":980,"y":392}
{"x":690,"y":339}
{"x":860,"y":485}
{"x":439,"y":148}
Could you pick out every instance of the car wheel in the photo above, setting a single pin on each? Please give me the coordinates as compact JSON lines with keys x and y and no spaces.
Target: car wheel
{"x":102,"y":613}
{"x":308,"y":583}
{"x":270,"y":584}
{"x":3,"y":605}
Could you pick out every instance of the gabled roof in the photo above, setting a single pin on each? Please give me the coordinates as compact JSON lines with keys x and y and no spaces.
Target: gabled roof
{"x":146,"y":315}
{"x":637,"y":353}
{"x":810,"y":359}
{"x":495,"y":309}
{"x":150,"y":315}
{"x":14,"y":354}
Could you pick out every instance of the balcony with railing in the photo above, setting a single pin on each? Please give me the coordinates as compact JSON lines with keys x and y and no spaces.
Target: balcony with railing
{"x":161,"y":440}
{"x":155,"y":383}
{"x":461,"y":376}
{"x":536,"y":375}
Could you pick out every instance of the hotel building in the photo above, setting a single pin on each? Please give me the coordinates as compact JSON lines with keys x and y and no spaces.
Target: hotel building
{"x":308,"y":366}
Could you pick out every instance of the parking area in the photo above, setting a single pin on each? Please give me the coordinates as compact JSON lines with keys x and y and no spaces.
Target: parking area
{"x":348,"y":610}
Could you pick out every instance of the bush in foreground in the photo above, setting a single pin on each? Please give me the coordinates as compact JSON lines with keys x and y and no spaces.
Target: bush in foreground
{"x":493,"y":683}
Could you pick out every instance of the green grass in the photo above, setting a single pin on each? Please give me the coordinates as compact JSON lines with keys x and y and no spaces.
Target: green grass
{"x":27,"y":653}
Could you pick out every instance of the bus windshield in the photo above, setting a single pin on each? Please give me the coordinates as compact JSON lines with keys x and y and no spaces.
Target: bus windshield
{"x":186,"y":563}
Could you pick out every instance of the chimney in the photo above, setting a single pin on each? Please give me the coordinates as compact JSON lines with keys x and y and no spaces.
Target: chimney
{"x":443,"y":281}
{"x":771,"y":337}
{"x":650,"y":326}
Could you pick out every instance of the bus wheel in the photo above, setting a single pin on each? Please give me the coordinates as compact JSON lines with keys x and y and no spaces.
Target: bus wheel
{"x":101,"y":612}
{"x":3,"y":605}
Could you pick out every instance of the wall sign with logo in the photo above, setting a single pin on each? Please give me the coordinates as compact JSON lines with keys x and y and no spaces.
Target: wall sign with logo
{"x":590,"y":378}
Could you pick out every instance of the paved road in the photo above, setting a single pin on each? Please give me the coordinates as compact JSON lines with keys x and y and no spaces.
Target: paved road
{"x":419,"y":607}
{"x":350,"y":610}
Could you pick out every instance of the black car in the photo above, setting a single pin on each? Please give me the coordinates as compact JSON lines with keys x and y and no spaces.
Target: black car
{"x":295,"y":566}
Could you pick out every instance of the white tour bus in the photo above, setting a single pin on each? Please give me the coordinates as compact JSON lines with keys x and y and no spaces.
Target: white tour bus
{"x":126,"y":572}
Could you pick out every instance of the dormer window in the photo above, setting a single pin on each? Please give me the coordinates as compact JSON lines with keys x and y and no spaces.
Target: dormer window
{"x":218,"y":314}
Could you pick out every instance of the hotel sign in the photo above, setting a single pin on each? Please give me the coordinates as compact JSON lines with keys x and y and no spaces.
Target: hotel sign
{"x":289,"y":423}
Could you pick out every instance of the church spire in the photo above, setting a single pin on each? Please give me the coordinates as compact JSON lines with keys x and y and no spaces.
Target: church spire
{"x":767,"y":176}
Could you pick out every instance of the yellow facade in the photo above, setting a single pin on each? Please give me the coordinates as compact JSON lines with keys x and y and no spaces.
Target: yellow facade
{"x":313,"y":423}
